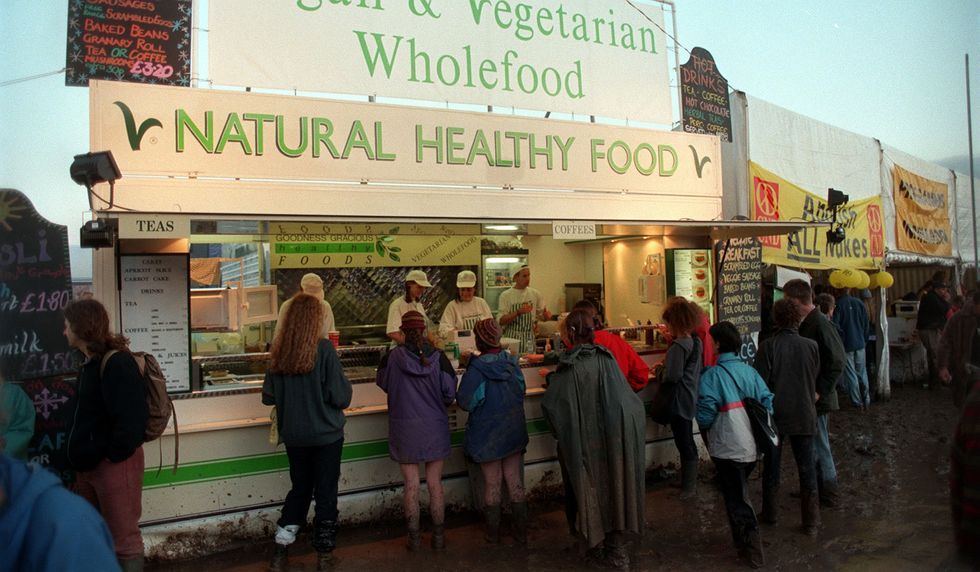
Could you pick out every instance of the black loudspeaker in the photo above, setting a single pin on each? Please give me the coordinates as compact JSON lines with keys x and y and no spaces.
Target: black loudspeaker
{"x":98,"y":233}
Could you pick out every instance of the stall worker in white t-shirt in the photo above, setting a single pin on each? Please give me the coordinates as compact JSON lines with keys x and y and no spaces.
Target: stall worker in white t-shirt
{"x":310,"y":284}
{"x":415,"y":283}
{"x":466,"y":310}
{"x":520,"y":307}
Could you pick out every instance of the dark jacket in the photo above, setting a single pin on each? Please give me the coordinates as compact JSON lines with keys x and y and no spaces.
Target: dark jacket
{"x":818,"y":328}
{"x":310,"y":407}
{"x":682,"y":366}
{"x":932,"y":312}
{"x":956,"y":347}
{"x":492,"y":390}
{"x":46,"y":528}
{"x":851,"y":316}
{"x":789,"y":364}
{"x":111,"y":414}
{"x":600,"y":425}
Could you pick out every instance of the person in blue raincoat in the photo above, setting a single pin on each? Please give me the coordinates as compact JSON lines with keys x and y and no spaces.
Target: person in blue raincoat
{"x":492,"y":390}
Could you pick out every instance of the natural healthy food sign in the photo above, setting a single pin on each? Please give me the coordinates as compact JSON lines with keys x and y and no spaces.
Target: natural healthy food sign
{"x":173,"y":131}
{"x":774,"y":198}
{"x":599,"y":57}
{"x":921,"y":214}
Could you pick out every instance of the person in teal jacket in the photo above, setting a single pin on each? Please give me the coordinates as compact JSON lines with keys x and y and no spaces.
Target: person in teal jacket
{"x":16,"y":420}
{"x":492,"y":390}
{"x":46,"y":528}
{"x":722,"y":415}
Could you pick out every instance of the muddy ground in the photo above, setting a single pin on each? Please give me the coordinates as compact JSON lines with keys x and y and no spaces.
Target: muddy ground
{"x":893,"y":465}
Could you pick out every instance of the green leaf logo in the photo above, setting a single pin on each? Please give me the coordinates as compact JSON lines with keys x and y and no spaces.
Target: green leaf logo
{"x":135,"y":135}
{"x":699,"y":163}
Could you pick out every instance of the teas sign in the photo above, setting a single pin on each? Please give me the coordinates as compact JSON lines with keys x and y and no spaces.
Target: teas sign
{"x":143,"y":41}
{"x":705,"y":106}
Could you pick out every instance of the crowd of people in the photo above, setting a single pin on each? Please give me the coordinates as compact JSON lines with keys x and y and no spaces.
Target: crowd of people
{"x":590,"y":403}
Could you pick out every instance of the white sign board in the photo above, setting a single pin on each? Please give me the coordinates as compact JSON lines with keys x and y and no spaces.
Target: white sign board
{"x":591,"y":57}
{"x":208,"y":133}
{"x":146,"y":225}
{"x":155,"y":314}
{"x":572,"y":230}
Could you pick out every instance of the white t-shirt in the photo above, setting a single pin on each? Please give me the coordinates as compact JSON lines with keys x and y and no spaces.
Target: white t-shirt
{"x":398,"y":308}
{"x":328,"y":323}
{"x":463,"y":315}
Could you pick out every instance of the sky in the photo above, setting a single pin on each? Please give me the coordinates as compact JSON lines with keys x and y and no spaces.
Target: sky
{"x":893,"y":70}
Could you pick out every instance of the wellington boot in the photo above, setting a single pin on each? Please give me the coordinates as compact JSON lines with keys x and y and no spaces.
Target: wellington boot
{"x":438,"y":537}
{"x":829,"y":494}
{"x":810,"y":507}
{"x":491,"y":515}
{"x":752,"y":552}
{"x":324,"y":561}
{"x":134,"y":564}
{"x":770,"y":506}
{"x":689,"y":479}
{"x":414,"y":540}
{"x":280,"y":559}
{"x":520,"y":521}
{"x":325,"y":536}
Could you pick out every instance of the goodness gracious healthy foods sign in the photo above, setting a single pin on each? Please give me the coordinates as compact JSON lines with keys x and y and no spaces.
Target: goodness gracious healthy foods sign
{"x":575,"y":56}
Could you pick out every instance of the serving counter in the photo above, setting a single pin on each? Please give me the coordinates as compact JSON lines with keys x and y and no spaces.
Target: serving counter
{"x":231,"y":479}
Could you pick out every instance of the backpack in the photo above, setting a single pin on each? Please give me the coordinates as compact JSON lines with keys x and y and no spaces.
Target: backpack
{"x":158,"y":402}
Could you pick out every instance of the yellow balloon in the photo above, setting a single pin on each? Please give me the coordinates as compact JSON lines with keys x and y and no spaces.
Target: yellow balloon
{"x":836,"y":279}
{"x":865,"y":280}
{"x":884,"y":279}
{"x":849,"y":278}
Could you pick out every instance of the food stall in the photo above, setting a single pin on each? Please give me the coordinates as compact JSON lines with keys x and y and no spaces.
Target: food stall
{"x":230,"y":197}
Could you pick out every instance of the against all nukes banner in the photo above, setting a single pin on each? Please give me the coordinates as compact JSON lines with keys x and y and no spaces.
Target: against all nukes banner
{"x":774,"y":198}
{"x":921,"y":214}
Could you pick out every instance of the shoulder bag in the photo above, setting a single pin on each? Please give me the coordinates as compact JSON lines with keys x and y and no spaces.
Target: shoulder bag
{"x":763,"y":427}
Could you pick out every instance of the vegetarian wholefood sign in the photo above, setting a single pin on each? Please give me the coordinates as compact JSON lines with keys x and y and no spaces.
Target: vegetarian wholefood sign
{"x":774,"y":198}
{"x":142,"y":41}
{"x":573,"y":56}
{"x":208,"y":133}
{"x":921,"y":214}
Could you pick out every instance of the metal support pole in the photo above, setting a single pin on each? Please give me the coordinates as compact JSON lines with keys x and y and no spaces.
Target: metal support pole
{"x":973,"y":190}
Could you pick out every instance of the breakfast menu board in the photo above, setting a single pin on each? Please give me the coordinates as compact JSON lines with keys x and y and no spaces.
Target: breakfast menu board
{"x":155,"y":301}
{"x":690,"y":275}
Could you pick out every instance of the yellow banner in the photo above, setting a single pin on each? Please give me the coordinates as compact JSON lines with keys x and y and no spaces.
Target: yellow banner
{"x":774,"y":198}
{"x":332,"y":245}
{"x":921,"y":214}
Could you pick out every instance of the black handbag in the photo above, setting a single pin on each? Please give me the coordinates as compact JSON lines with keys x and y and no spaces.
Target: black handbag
{"x":763,"y":426}
{"x":663,"y":399}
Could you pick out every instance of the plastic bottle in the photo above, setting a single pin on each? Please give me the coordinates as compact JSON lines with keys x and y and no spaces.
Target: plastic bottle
{"x":648,"y":334}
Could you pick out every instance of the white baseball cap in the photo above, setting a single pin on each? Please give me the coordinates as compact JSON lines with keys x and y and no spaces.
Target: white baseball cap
{"x":515,"y":268}
{"x":418,"y":277}
{"x":466,"y":279}
{"x":311,"y":279}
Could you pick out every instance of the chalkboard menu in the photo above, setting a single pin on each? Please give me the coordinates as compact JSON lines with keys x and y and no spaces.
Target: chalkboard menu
{"x":35,"y":286}
{"x":155,"y":302}
{"x":705,"y":106}
{"x":145,"y":41}
{"x":740,"y":289}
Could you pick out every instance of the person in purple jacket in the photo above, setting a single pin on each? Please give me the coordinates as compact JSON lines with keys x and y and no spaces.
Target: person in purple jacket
{"x":420,"y":383}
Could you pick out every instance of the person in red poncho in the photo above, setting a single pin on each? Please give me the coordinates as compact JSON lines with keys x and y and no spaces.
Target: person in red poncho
{"x":636,"y":371}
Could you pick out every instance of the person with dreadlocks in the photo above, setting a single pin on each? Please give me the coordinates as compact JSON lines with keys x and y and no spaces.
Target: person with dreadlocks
{"x":420,"y":383}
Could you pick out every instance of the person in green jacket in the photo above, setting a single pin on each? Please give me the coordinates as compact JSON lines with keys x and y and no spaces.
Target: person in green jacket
{"x":16,"y":420}
{"x":600,"y":425}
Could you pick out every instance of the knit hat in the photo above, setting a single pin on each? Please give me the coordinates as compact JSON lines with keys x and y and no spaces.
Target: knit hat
{"x":413,"y":320}
{"x":488,"y":331}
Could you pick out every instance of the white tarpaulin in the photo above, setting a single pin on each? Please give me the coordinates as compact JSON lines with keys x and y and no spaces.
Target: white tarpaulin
{"x":814,"y":155}
{"x":591,"y":57}
{"x":965,"y":219}
{"x":891,"y":157}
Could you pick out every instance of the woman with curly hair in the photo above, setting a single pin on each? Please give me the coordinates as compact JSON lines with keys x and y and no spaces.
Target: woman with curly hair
{"x":420,"y":383}
{"x":682,"y":366}
{"x":307,"y":385}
